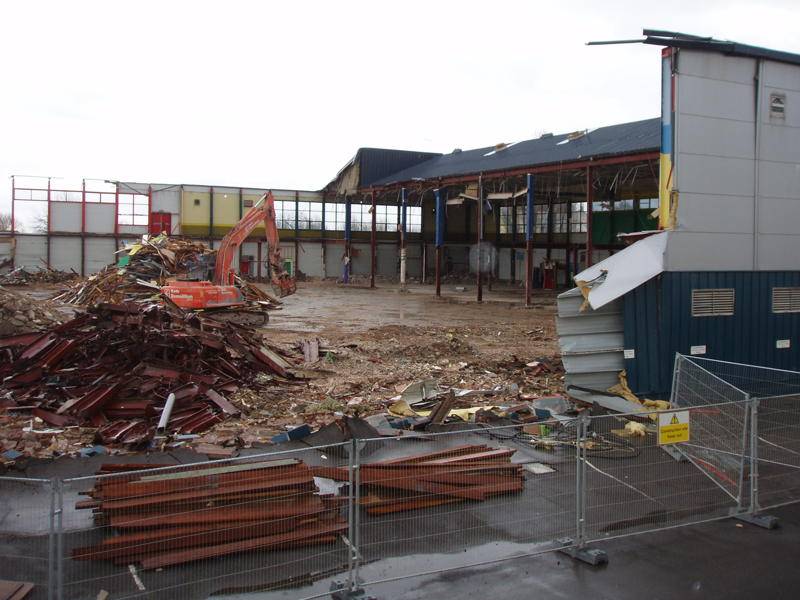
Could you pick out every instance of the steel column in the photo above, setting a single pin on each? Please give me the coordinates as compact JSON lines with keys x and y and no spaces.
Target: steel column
{"x":241,"y":214}
{"x":297,"y":230}
{"x":403,"y":208}
{"x":589,"y":211}
{"x":348,"y":234}
{"x":373,"y":241}
{"x":48,"y":221}
{"x":13,"y":203}
{"x":479,"y":227}
{"x":529,"y":224}
{"x":440,"y":226}
{"x":83,"y":227}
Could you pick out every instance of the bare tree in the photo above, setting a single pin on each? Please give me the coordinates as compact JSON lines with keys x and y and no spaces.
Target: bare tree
{"x":5,"y":221}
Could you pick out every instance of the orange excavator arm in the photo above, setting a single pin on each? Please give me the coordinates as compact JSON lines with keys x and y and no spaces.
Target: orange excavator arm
{"x":263,"y":210}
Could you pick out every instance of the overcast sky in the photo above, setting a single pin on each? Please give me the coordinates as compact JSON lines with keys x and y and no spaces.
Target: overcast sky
{"x":281,"y":94}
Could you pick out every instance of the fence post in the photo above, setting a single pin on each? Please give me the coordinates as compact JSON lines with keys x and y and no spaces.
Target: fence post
{"x":58,"y":488}
{"x":51,"y":545}
{"x":577,"y":548}
{"x":751,"y":515}
{"x":351,"y":589}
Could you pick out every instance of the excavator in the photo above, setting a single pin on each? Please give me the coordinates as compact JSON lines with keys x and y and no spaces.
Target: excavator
{"x":220,"y":297}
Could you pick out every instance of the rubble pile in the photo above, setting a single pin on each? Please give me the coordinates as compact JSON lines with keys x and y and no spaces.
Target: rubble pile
{"x":115,"y":367}
{"x":207,"y":511}
{"x":19,"y":314}
{"x":143,"y":268}
{"x":22,"y":276}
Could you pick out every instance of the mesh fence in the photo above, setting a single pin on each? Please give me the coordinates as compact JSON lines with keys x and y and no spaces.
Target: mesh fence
{"x":451,"y":500}
{"x":190,"y":531}
{"x":372,"y":511}
{"x":634,"y":485}
{"x":27,"y":546}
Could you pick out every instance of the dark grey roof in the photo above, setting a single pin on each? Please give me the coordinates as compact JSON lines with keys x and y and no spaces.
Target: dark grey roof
{"x":377,"y":163}
{"x":628,"y":138}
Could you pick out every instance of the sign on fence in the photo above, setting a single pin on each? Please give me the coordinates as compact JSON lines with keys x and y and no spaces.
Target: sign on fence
{"x":673,"y":427}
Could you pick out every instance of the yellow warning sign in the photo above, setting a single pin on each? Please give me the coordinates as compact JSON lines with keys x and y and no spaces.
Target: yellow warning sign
{"x":673,"y":427}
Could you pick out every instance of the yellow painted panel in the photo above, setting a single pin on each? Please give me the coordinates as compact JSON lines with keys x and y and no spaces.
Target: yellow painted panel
{"x":193,"y":213}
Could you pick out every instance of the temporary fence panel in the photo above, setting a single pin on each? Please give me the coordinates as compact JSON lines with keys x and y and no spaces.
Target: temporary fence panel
{"x":451,"y":500}
{"x":190,"y":531}
{"x":27,"y":541}
{"x":720,"y":414}
{"x":636,"y":484}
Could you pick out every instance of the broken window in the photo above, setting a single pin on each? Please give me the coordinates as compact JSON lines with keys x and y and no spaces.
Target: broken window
{"x":522,"y":214}
{"x":577,"y":222}
{"x":541,"y":218}
{"x":505,"y":219}
{"x":132,"y":209}
{"x":648,"y":203}
{"x":413,"y":219}
{"x":334,"y":216}
{"x":560,"y":217}
{"x":309,"y":215}
{"x":284,"y":214}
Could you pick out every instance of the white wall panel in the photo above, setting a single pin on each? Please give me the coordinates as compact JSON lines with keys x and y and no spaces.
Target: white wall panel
{"x":779,"y":252}
{"x":310,"y":259}
{"x":65,"y":216}
{"x":65,"y":253}
{"x":100,"y":218}
{"x":99,"y":253}
{"x":693,"y":251}
{"x":31,"y":251}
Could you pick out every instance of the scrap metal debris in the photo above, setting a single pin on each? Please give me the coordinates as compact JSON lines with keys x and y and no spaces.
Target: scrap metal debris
{"x":114,"y":367}
{"x":471,"y":472}
{"x":143,"y":268}
{"x":207,"y":511}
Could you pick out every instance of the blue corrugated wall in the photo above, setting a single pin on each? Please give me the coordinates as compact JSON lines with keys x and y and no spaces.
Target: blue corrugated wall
{"x":658,"y":323}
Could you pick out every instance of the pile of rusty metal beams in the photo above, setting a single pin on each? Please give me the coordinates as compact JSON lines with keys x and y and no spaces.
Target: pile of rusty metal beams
{"x":115,"y":367}
{"x":462,"y":473}
{"x":206,"y":511}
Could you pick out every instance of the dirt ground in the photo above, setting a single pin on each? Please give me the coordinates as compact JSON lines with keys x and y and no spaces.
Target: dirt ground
{"x":373,"y":343}
{"x":381,"y":340}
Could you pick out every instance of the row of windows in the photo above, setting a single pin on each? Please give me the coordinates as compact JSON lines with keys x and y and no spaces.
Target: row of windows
{"x":721,"y":302}
{"x":309,"y":216}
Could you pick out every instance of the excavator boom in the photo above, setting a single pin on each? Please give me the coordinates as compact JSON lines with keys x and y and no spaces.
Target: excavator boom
{"x":221,"y":292}
{"x":263,"y":210}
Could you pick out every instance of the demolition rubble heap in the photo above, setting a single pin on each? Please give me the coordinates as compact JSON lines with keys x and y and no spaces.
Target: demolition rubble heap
{"x":115,"y":366}
{"x":201,"y":512}
{"x":18,"y":314}
{"x":23,"y":276}
{"x":143,"y":268}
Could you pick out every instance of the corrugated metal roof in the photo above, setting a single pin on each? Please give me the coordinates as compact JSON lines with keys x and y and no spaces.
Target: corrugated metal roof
{"x":377,"y":163}
{"x":627,"y":138}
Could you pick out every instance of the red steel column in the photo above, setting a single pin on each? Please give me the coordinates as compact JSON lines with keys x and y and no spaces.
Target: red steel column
{"x":83,"y":227}
{"x":13,"y":222}
{"x":373,"y":244}
{"x":589,"y":200}
{"x":48,"y":222}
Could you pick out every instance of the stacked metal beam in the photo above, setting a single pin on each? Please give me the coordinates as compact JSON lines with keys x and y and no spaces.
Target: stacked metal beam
{"x":207,"y":511}
{"x":114,"y":368}
{"x":472,"y":472}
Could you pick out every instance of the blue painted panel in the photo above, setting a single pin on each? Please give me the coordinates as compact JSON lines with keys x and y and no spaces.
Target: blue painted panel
{"x":658,"y":323}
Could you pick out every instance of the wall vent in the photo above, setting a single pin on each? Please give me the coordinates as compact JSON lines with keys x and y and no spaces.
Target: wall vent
{"x":777,"y":106}
{"x":715,"y":302}
{"x":786,"y":300}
